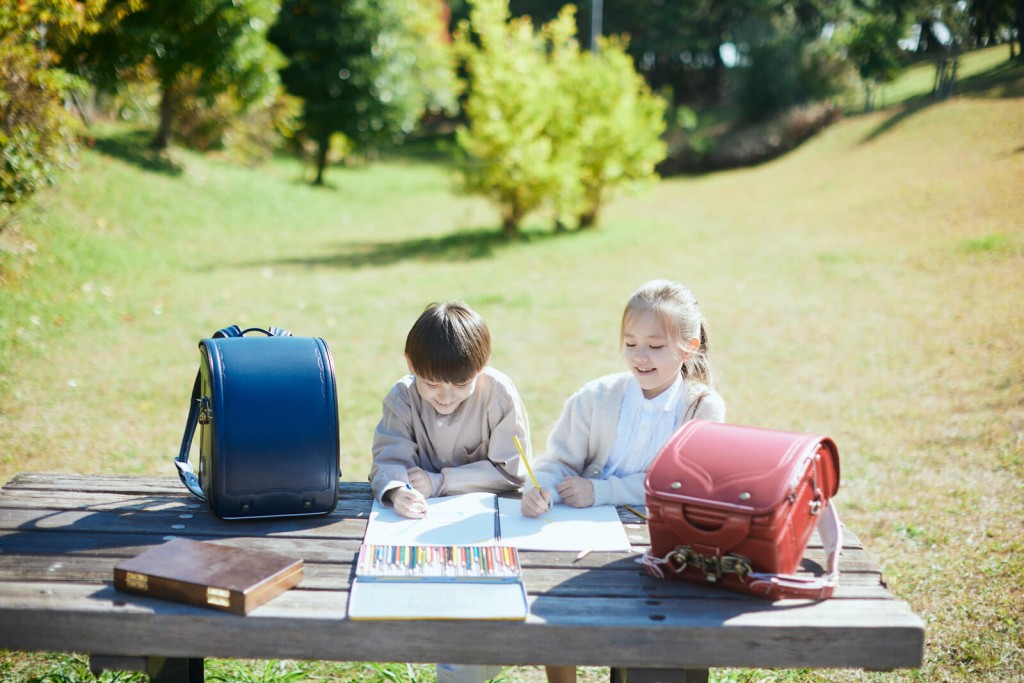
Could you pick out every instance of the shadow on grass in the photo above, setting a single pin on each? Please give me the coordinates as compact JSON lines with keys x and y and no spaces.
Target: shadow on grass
{"x":466,"y":245}
{"x":133,"y":147}
{"x":1004,"y":81}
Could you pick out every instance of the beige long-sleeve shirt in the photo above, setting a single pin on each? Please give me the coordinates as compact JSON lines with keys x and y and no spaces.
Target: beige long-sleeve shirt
{"x":470,"y":450}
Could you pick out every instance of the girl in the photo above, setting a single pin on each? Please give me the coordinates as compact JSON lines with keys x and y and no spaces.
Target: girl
{"x":611,"y":429}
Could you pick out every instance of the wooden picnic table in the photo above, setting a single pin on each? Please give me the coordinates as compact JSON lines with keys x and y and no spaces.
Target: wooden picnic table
{"x":62,"y":534}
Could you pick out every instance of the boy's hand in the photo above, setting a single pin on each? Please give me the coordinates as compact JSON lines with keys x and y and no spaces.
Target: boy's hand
{"x":420,"y":480}
{"x":535,"y":502}
{"x":409,"y":502}
{"x":577,"y":492}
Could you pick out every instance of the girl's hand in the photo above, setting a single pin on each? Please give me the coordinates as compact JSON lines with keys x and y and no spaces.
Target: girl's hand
{"x":409,"y":502}
{"x":420,"y":480}
{"x":577,"y":492}
{"x":536,"y":502}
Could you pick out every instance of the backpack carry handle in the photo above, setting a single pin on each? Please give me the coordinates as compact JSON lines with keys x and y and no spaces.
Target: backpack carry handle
{"x":236,"y":331}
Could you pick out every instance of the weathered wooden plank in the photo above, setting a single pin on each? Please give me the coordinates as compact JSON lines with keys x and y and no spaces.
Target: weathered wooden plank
{"x":694,"y":633}
{"x":353,"y":494}
{"x":186,"y":516}
{"x":89,"y":491}
{"x":60,"y":547}
{"x":96,"y":537}
{"x":354,"y":497}
{"x":176,"y":520}
{"x":42,"y":500}
{"x":330,"y":568}
{"x":64,"y":482}
{"x":131,"y":485}
{"x":79,"y":542}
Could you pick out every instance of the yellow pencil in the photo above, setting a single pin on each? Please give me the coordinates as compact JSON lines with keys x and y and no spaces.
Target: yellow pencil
{"x":526,"y":461}
{"x":635,"y":511}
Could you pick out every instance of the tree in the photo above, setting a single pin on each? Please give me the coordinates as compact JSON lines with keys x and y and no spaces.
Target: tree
{"x":204,"y":47}
{"x":989,"y":18}
{"x":511,"y":99}
{"x":947,"y":44}
{"x":368,"y":70}
{"x":549,"y":123}
{"x":35,"y":128}
{"x":873,"y":46}
{"x":612,"y":124}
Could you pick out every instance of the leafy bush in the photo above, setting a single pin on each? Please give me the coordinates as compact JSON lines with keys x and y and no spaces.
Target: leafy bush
{"x":547,"y":123}
{"x":512,"y":99}
{"x":35,"y":128}
{"x":616,"y":126}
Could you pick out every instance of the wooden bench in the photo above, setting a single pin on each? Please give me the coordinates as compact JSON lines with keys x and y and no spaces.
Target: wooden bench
{"x":61,"y":535}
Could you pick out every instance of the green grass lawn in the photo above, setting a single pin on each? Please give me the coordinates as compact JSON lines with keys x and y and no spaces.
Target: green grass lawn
{"x":867,"y":285}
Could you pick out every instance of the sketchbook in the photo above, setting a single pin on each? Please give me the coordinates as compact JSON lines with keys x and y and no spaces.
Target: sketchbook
{"x":562,"y":528}
{"x":437,"y":582}
{"x":485,"y":518}
{"x":466,"y":519}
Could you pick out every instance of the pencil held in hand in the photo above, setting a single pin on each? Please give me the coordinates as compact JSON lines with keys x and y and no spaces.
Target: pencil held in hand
{"x":409,"y":502}
{"x":526,"y":461}
{"x":535,"y":502}
{"x":532,"y":505}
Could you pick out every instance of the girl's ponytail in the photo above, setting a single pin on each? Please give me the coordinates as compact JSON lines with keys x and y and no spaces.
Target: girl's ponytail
{"x":699,"y":364}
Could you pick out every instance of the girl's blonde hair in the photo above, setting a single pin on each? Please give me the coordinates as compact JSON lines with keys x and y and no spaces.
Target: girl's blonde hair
{"x":680,"y":315}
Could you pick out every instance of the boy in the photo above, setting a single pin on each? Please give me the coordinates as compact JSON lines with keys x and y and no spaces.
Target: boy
{"x":448,"y":426}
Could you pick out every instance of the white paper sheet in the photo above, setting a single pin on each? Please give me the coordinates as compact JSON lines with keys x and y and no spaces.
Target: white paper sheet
{"x":466,"y":519}
{"x":563,"y":528}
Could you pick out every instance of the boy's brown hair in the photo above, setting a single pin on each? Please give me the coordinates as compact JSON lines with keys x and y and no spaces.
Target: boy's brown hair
{"x":449,"y":342}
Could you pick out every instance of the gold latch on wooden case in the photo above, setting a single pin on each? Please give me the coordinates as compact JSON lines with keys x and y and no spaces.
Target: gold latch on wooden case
{"x":136,"y":581}
{"x":218,"y":597}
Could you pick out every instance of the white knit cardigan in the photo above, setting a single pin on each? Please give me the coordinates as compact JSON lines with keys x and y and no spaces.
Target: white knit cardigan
{"x":583,"y":437}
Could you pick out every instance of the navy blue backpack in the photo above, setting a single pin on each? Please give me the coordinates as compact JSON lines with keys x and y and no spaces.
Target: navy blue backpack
{"x":268,"y":411}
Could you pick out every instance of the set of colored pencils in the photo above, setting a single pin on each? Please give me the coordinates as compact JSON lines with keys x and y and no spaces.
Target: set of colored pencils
{"x":488,"y":562}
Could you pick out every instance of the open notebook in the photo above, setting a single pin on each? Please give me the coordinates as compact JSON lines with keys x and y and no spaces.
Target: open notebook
{"x":486,"y":519}
{"x":461,"y":561}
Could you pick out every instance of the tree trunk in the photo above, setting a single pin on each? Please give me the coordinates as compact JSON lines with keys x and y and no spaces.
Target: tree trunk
{"x":168,"y":106}
{"x":322,"y":148}
{"x":588,"y":218}
{"x":512,"y":216}
{"x":509,"y":226}
{"x":1019,"y":7}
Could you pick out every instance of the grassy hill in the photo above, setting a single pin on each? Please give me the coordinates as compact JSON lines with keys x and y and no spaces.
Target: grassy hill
{"x":867,"y":286}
